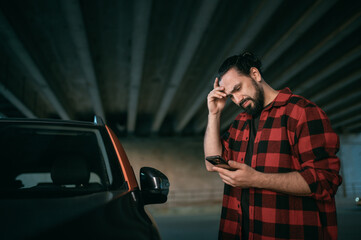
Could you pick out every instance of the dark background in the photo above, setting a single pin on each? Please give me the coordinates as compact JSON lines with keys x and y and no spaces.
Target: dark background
{"x":146,"y":67}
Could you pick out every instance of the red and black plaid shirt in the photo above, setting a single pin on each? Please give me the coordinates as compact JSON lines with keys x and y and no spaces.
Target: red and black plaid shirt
{"x":293,"y":135}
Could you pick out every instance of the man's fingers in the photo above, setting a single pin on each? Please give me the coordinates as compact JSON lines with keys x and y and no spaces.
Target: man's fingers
{"x":224,"y":176}
{"x":223,"y":171}
{"x":216,"y":83}
{"x":218,"y":91}
{"x":219,"y":95}
{"x":234,"y":164}
{"x":228,"y":183}
{"x":227,"y":180}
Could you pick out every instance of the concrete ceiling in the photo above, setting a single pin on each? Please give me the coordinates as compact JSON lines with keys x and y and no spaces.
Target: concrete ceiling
{"x":147,"y":66}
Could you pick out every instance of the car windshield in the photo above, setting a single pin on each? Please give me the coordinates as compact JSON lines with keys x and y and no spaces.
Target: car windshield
{"x":42,"y":160}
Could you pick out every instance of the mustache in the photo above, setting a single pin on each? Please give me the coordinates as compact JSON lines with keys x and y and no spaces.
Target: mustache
{"x":243,"y":101}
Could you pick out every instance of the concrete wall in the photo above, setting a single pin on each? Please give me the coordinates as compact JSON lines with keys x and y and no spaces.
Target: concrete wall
{"x":350,"y":155}
{"x":182,"y":160}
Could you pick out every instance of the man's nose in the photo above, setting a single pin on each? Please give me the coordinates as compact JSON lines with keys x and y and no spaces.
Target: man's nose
{"x":238,"y":98}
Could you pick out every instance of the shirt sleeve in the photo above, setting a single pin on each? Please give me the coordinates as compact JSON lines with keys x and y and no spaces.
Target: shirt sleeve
{"x":317,"y":145}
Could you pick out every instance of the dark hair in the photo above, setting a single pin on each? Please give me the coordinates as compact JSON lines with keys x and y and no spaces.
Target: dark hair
{"x":242,"y":63}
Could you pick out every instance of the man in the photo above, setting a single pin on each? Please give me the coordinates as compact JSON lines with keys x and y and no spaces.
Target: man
{"x":283,"y":153}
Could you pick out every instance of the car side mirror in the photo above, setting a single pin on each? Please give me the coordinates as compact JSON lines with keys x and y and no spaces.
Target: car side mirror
{"x":154,"y":185}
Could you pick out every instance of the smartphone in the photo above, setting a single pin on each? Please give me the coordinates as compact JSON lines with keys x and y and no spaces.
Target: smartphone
{"x":219,"y":162}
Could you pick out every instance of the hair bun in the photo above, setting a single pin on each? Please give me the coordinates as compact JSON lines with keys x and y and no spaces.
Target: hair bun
{"x":252,"y":58}
{"x":242,"y":63}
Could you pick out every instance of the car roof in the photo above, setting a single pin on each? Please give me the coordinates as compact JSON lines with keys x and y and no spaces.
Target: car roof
{"x":97,"y":121}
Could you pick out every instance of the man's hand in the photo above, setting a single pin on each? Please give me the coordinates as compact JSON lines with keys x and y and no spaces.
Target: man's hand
{"x":216,"y":99}
{"x":243,"y":176}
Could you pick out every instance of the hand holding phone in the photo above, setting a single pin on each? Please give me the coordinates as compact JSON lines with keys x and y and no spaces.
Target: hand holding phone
{"x":218,"y":161}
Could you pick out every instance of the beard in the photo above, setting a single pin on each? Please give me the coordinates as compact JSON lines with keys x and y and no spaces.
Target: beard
{"x":258,"y":101}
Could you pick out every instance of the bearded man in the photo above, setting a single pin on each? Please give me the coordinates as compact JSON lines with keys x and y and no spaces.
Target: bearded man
{"x":282,"y":153}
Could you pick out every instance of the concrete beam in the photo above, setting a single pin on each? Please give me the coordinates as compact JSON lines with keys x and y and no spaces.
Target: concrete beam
{"x":346,"y":122}
{"x":330,"y":41}
{"x":333,"y":90}
{"x":340,"y":102}
{"x":141,"y":19}
{"x":336,"y":87}
{"x":308,"y":19}
{"x":347,"y":110}
{"x":16,"y":102}
{"x":204,"y":15}
{"x":74,"y":17}
{"x":353,"y":126}
{"x":256,"y":23}
{"x":337,"y":65}
{"x":13,"y":43}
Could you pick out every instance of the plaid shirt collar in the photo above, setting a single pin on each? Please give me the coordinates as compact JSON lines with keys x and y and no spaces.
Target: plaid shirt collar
{"x":281,"y":99}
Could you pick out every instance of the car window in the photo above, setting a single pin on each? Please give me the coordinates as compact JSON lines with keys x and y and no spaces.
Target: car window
{"x":54,"y":159}
{"x":29,"y":180}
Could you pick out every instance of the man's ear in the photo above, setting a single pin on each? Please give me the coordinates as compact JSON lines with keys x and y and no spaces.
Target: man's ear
{"x":255,"y":74}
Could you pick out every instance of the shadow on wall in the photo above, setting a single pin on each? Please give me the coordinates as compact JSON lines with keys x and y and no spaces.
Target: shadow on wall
{"x":182,"y":160}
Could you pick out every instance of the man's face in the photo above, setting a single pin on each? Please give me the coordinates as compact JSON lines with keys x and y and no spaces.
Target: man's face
{"x":244,"y":91}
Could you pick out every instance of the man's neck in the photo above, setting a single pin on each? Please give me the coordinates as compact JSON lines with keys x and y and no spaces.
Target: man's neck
{"x":269,"y":94}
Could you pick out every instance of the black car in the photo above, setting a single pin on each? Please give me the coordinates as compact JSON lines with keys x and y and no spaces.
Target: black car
{"x":68,"y":179}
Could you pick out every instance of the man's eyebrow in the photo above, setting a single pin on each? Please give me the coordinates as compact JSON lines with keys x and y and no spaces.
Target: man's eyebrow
{"x":235,"y":87}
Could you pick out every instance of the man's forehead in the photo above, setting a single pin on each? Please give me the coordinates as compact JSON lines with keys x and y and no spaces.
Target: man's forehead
{"x":228,"y":80}
{"x":228,"y":86}
{"x":223,"y":81}
{"x":231,"y":75}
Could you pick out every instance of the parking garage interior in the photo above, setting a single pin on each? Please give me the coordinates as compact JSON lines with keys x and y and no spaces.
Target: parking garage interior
{"x":146,"y":66}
